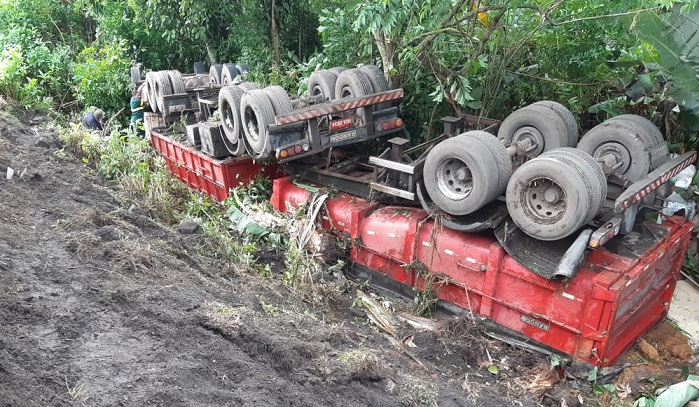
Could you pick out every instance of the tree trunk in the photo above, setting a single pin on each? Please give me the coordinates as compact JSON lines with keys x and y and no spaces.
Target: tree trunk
{"x":389,"y":58}
{"x":209,"y":52}
{"x":274,"y":36}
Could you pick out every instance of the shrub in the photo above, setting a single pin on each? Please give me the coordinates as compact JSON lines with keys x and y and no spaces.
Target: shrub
{"x":101,"y":76}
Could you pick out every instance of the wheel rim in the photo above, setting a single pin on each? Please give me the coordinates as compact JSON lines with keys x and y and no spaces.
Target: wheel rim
{"x":252,"y":125}
{"x":544,"y":201}
{"x":227,"y":119}
{"x":618,"y":151}
{"x":346,"y":93}
{"x":317,"y":91}
{"x":533,"y":135}
{"x":454,"y":179}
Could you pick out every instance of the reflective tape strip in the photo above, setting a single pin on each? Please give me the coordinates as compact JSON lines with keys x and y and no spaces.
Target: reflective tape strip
{"x":337,"y":106}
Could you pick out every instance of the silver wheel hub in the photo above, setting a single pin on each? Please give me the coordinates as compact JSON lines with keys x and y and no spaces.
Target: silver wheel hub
{"x":454,"y":179}
{"x":251,"y":122}
{"x":543,"y":201}
{"x":619,"y":153}
{"x":533,"y":136}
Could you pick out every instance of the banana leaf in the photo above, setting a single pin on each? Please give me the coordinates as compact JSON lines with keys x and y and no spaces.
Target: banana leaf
{"x":675,"y":35}
{"x":679,"y":394}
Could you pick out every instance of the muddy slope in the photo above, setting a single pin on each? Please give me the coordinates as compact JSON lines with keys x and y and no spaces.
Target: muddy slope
{"x":100,"y":305}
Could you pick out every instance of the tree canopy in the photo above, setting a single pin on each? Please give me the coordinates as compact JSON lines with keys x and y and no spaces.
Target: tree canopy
{"x":483,"y":57}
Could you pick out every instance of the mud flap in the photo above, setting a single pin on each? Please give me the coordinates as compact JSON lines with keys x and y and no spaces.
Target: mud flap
{"x":541,"y":257}
{"x":488,"y":217}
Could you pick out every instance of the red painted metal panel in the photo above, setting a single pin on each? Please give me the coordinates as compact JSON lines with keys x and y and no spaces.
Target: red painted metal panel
{"x":595,"y":316}
{"x":287,"y":197}
{"x":204,"y":173}
{"x":344,"y":211}
{"x":390,"y":231}
{"x":462,"y":257}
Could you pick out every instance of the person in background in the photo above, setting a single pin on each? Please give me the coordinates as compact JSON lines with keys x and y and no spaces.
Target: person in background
{"x":93,"y":120}
{"x":138,"y":106}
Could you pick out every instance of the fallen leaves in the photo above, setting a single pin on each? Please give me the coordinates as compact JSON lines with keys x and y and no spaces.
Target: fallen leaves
{"x":543,"y":382}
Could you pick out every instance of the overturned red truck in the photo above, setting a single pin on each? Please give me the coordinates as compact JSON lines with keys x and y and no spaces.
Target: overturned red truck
{"x":552,"y":237}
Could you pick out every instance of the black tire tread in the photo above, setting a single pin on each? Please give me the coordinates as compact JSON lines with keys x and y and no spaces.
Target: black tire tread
{"x":568,"y":119}
{"x":376,"y":76}
{"x":228,"y":74}
{"x":503,"y":162}
{"x":151,"y":90}
{"x":481,"y":164}
{"x":354,"y":80}
{"x":620,"y":132}
{"x":215,"y":73}
{"x":549,"y":124}
{"x":281,"y":102}
{"x":648,"y":125}
{"x":323,"y":81}
{"x":246,"y":86}
{"x":569,"y":174}
{"x":176,"y":82}
{"x":257,"y":101}
{"x":229,"y":105}
{"x":599,"y":189}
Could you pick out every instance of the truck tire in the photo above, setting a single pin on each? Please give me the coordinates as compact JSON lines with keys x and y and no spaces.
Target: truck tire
{"x":228,"y":74}
{"x":246,"y":86}
{"x":568,"y":119}
{"x":646,"y":124}
{"x":163,"y":88}
{"x":322,"y":83}
{"x":229,"y":106}
{"x":378,"y":80}
{"x":503,"y":163}
{"x":243,"y":69}
{"x":623,"y":142}
{"x":550,"y":197}
{"x":599,"y":188}
{"x":191,"y":82}
{"x":199,"y":67}
{"x":352,"y":83}
{"x":145,"y":92}
{"x":337,"y":70}
{"x":281,"y":102}
{"x":537,"y":123}
{"x":165,"y":83}
{"x":256,"y":112}
{"x":176,"y":82}
{"x":135,"y":76}
{"x":151,"y":88}
{"x":651,"y":136}
{"x":216,"y":73}
{"x":460,"y":175}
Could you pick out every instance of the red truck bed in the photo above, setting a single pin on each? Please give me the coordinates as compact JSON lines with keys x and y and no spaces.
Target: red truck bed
{"x":204,"y":173}
{"x":595,"y":316}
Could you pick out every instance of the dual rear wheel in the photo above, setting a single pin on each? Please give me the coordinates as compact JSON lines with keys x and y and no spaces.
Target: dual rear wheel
{"x":466,"y":172}
{"x":342,"y":83}
{"x":552,"y":196}
{"x":559,"y":189}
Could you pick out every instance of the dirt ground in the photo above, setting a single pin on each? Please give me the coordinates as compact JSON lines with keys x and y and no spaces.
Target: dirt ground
{"x":100,"y":305}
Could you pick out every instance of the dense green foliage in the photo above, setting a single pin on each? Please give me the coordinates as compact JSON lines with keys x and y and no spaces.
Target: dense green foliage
{"x":483,"y":57}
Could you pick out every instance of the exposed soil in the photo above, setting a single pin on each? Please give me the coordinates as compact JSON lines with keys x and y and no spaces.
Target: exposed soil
{"x":101,"y":305}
